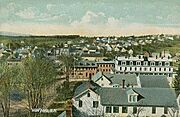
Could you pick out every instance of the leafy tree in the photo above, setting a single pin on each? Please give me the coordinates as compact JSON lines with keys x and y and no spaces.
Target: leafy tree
{"x":177,"y":80}
{"x":39,"y":75}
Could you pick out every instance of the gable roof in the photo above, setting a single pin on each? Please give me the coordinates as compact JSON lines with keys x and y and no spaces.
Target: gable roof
{"x":85,"y":86}
{"x":99,"y":75}
{"x":130,"y":79}
{"x":158,"y":97}
{"x":156,"y":81}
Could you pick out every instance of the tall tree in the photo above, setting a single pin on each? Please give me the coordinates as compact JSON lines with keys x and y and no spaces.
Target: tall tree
{"x":8,"y":80}
{"x":39,"y":75}
{"x":67,"y":64}
{"x":177,"y":80}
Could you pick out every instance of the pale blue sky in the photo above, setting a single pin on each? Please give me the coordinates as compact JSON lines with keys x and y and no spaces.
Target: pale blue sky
{"x":90,"y":17}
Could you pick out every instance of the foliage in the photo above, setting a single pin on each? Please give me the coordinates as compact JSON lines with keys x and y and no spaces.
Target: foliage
{"x":177,"y":80}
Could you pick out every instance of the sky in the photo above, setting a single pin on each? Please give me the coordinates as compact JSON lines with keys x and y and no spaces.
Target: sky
{"x":90,"y":17}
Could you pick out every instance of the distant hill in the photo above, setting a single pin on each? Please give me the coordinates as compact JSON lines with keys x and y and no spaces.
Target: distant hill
{"x":2,"y":33}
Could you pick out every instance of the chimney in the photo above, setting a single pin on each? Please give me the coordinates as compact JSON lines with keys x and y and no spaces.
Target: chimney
{"x":123,"y":84}
{"x":69,"y":108}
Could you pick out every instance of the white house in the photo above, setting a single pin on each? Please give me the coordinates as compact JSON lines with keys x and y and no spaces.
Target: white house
{"x":141,"y":102}
{"x":91,"y":100}
{"x":87,"y":99}
{"x":145,"y":65}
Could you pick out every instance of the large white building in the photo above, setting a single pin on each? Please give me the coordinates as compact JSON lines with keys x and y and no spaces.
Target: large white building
{"x":142,"y":65}
{"x":125,"y":97}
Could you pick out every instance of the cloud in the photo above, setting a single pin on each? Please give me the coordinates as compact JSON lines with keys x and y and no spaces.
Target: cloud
{"x":88,"y":30}
{"x":32,"y":13}
{"x":90,"y":18}
{"x":91,"y":24}
{"x":50,"y":6}
{"x":27,"y":13}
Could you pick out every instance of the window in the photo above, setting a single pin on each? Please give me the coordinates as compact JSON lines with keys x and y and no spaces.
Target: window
{"x":154,"y":69}
{"x":134,"y":62}
{"x":145,"y":63}
{"x":134,"y":110}
{"x":169,"y":69}
{"x":145,"y":69}
{"x":127,"y":62}
{"x":123,"y":63}
{"x":108,"y":109}
{"x":130,"y":68}
{"x":159,"y":69}
{"x":80,"y":103}
{"x":115,"y":109}
{"x":150,"y":69}
{"x":153,"y":110}
{"x":125,"y":68}
{"x":132,"y":98}
{"x":131,"y":63}
{"x":124,"y":109}
{"x":164,"y":69}
{"x":165,"y":110}
{"x":140,"y":68}
{"x":120,"y":68}
{"x":95,"y":104}
{"x":160,"y":63}
{"x":138,"y":63}
{"x":135,"y":68}
{"x":88,"y":94}
{"x":119,"y":62}
{"x":152,"y":63}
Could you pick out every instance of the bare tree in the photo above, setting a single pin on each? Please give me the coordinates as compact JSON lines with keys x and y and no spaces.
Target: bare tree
{"x":39,"y":74}
{"x":8,"y":79}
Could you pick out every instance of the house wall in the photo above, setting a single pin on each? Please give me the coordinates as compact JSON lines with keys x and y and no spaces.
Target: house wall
{"x":83,"y":72}
{"x":87,"y":105}
{"x":105,"y":67}
{"x":143,"y":112}
{"x":145,"y":69}
{"x":103,"y":82}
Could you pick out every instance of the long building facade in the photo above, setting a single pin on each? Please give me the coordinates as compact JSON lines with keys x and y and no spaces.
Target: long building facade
{"x":143,"y":65}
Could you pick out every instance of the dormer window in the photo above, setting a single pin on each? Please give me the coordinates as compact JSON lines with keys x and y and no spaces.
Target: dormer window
{"x":160,"y":63}
{"x":167,"y":63}
{"x":138,"y":63}
{"x":123,"y":63}
{"x":131,"y":63}
{"x":146,"y":63}
{"x":132,"y":98}
{"x":152,"y":63}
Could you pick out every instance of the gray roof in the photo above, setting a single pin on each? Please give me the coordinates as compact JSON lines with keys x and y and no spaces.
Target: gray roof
{"x":130,"y":79}
{"x":105,"y":62}
{"x":85,"y":86}
{"x":85,"y":64}
{"x":63,"y":114}
{"x":97,"y":76}
{"x":156,"y":81}
{"x":158,"y":97}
